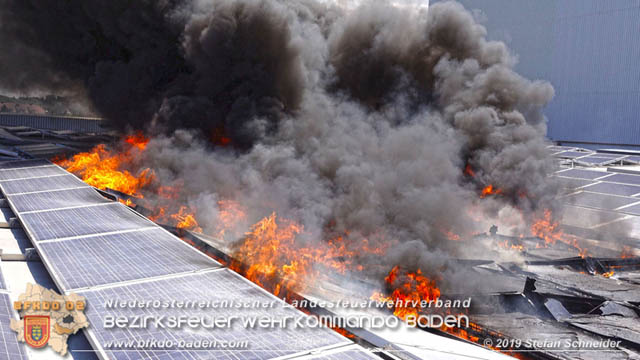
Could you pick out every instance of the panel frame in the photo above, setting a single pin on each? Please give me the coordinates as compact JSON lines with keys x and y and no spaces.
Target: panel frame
{"x":102,"y":353}
{"x":60,"y":282}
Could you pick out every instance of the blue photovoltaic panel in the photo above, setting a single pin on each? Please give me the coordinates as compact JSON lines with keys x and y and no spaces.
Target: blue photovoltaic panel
{"x":587,"y":218}
{"x":81,"y":221}
{"x":570,"y":183}
{"x":40,"y":171}
{"x":571,"y":154}
{"x":10,"y":348}
{"x":214,"y":286}
{"x":596,"y":160}
{"x":624,"y":178}
{"x":635,"y":209}
{"x":39,"y":184}
{"x":608,"y":155}
{"x":3,"y":285}
{"x":23,"y":163}
{"x":582,"y":174}
{"x":613,"y":188}
{"x":559,"y":148}
{"x":56,"y":199}
{"x":599,"y":201}
{"x":100,"y":260}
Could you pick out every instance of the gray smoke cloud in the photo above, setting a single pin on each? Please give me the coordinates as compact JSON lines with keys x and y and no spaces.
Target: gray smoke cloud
{"x":357,"y":121}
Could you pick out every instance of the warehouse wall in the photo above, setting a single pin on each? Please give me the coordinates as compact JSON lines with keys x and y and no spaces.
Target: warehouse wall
{"x":588,"y":50}
{"x":54,"y":122}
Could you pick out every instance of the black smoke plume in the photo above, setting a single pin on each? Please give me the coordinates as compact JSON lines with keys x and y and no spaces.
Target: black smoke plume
{"x":354,"y":121}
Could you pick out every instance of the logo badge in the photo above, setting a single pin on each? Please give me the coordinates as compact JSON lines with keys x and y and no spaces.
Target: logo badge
{"x":36,"y":330}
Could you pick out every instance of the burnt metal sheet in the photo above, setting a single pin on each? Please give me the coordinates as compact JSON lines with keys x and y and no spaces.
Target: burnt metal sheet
{"x":551,"y":336}
{"x":589,"y":284}
{"x":615,"y":326}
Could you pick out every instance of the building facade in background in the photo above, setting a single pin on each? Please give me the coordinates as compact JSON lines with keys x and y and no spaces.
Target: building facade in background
{"x":588,"y":49}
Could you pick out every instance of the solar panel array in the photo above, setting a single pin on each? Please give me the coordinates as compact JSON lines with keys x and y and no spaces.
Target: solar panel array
{"x":598,"y":198}
{"x":10,"y":348}
{"x":221,"y":285}
{"x":12,"y":187}
{"x":105,"y":251}
{"x":133,"y":255}
{"x":586,"y":157}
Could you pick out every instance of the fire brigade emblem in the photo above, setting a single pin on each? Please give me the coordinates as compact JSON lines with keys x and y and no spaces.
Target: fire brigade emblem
{"x":48,"y":318}
{"x":36,"y":330}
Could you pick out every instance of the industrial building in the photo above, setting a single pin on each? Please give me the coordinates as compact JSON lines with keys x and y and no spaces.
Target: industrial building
{"x":588,"y":51}
{"x":67,"y":236}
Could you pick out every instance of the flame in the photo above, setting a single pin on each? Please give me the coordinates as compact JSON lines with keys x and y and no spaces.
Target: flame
{"x":451,"y":235}
{"x":103,"y":169}
{"x":137,"y":140}
{"x":127,"y":202}
{"x":343,"y":332}
{"x":409,"y":290}
{"x":608,"y":274}
{"x":468,"y":170}
{"x":231,"y":214}
{"x":626,"y":252}
{"x":219,"y":138}
{"x":508,"y":245}
{"x":549,"y":230}
{"x":275,"y":255}
{"x":490,"y":190}
{"x":267,"y":255}
{"x":185,"y":218}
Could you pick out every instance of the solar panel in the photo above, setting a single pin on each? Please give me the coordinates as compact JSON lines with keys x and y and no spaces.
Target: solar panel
{"x":571,"y":154}
{"x":624,"y":178}
{"x":39,"y":184}
{"x":3,"y":285}
{"x":560,"y":148}
{"x":23,"y":163}
{"x":635,"y":209}
{"x":582,"y":173}
{"x":597,"y":160}
{"x":609,"y":155}
{"x":56,"y":199}
{"x":613,"y":189}
{"x":10,"y":348}
{"x":30,"y":172}
{"x":81,"y":221}
{"x":569,"y":183}
{"x":214,"y":286}
{"x":587,"y":218}
{"x":100,"y":260}
{"x":599,"y":201}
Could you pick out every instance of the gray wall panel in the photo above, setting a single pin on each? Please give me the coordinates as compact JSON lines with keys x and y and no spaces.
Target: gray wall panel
{"x":588,"y":50}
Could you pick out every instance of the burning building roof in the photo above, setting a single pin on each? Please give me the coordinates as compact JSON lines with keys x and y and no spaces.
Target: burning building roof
{"x":378,"y":152}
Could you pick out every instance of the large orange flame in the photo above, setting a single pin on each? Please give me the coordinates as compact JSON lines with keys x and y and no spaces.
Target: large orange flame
{"x":409,"y":289}
{"x":274,"y":253}
{"x":105,"y":169}
{"x":549,"y":230}
{"x":265,"y":255}
{"x":185,"y":219}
